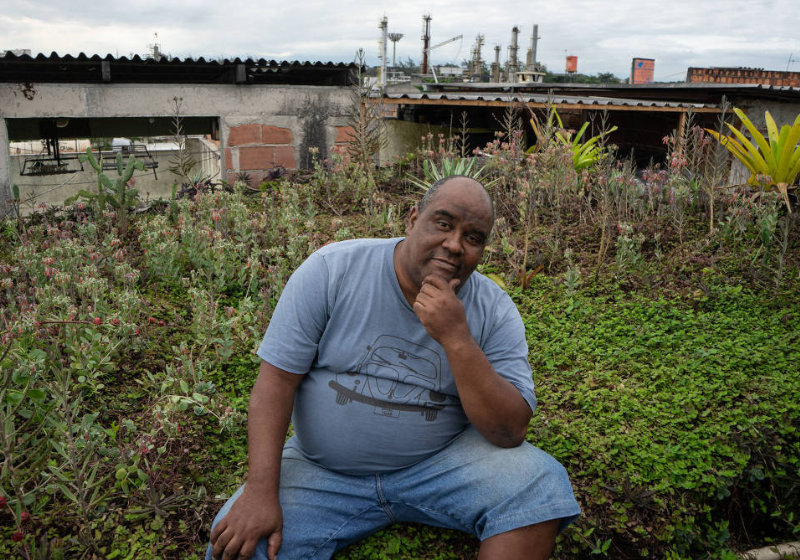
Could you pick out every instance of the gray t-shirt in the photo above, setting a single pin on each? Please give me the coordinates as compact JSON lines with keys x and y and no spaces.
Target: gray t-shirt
{"x":379,"y":394}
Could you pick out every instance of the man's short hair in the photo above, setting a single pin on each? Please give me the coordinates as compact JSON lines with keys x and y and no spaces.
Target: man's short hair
{"x":430,"y":194}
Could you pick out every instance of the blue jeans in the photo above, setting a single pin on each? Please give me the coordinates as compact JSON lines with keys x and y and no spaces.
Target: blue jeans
{"x":471,"y":485}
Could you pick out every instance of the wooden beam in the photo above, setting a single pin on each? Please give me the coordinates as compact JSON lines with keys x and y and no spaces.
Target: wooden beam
{"x":681,"y":136}
{"x":540,"y":105}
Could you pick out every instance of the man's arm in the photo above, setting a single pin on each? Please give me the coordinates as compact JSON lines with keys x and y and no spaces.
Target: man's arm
{"x":492,"y":404}
{"x":257,"y":513}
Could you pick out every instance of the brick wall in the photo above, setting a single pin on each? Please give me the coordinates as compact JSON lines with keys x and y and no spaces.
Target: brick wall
{"x":257,"y":148}
{"x":743,"y":76}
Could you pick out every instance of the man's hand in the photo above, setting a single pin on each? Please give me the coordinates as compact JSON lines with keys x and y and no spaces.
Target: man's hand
{"x":493,"y":405}
{"x":257,"y":513}
{"x":440,"y":311}
{"x":249,"y":520}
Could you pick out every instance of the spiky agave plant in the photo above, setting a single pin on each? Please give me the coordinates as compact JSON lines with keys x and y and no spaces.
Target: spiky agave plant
{"x":773,"y":162}
{"x":449,"y":167}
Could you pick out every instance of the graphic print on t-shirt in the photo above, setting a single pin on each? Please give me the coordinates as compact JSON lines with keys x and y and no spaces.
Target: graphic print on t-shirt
{"x":395,"y":376}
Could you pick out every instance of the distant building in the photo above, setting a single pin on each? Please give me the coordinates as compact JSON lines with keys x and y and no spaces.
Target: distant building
{"x":743,"y":76}
{"x":642,"y":70}
{"x":450,"y":71}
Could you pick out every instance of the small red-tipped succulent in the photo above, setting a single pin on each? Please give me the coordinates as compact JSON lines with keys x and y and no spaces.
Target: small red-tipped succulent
{"x":18,"y":536}
{"x":161,"y":323}
{"x":24,"y":517}
{"x":98,"y":321}
{"x":2,"y":502}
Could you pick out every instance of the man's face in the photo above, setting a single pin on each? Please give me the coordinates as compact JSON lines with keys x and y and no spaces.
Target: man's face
{"x":447,"y":238}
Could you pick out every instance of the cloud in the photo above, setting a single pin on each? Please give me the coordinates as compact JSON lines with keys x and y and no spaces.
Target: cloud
{"x":604,"y":35}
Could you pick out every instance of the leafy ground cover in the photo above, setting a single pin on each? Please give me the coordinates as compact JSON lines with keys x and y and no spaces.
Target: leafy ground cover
{"x":663,"y":318}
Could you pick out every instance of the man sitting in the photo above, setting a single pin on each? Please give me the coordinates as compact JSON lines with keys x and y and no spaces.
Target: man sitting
{"x":406,"y":379}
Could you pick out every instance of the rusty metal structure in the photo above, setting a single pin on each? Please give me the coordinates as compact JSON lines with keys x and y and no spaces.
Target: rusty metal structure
{"x":426,"y":41}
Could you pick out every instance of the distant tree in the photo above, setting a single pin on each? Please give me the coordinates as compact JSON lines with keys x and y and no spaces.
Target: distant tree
{"x":408,"y":66}
{"x":608,"y":78}
{"x":601,"y":78}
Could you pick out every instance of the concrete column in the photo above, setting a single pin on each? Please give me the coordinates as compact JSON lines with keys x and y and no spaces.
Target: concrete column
{"x":5,"y":171}
{"x":223,"y":147}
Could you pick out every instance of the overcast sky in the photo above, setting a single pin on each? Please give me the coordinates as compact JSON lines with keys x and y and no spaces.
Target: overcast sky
{"x":604,"y":34}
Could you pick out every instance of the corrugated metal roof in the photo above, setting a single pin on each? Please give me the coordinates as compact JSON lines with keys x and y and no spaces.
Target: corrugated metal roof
{"x":96,"y":69}
{"x":458,"y":86}
{"x":502,"y":97}
{"x":683,"y":92}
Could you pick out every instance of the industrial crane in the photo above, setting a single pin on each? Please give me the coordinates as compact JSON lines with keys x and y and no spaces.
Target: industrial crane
{"x":443,"y":43}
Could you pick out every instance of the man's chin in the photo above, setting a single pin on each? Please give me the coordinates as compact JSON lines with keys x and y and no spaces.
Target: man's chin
{"x":446,"y":276}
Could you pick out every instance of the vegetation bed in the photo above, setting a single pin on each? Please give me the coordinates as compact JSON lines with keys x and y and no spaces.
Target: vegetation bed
{"x":664,"y":340}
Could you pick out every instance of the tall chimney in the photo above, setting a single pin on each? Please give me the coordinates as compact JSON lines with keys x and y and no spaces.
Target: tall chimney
{"x":384,"y":26}
{"x":513,"y":63}
{"x":530,"y":62}
{"x":496,"y":65}
{"x":426,"y":41}
{"x":477,"y":62}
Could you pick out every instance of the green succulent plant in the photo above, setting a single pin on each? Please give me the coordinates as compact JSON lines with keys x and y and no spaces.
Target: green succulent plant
{"x":773,"y":162}
{"x":584,"y":154}
{"x":114,"y":192}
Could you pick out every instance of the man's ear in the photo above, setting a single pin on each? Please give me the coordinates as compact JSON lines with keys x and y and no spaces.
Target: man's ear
{"x":412,"y":218}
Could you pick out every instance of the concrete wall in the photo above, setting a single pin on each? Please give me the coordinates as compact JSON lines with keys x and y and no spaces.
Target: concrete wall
{"x":402,"y":137}
{"x":782,"y":112}
{"x":5,"y":171}
{"x":268,"y":126}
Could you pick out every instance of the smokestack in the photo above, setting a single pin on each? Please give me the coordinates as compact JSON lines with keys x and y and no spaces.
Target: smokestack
{"x":496,"y":65}
{"x":426,"y":41}
{"x":530,"y":61}
{"x":384,"y":26}
{"x":513,"y":64}
{"x":477,"y":62}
